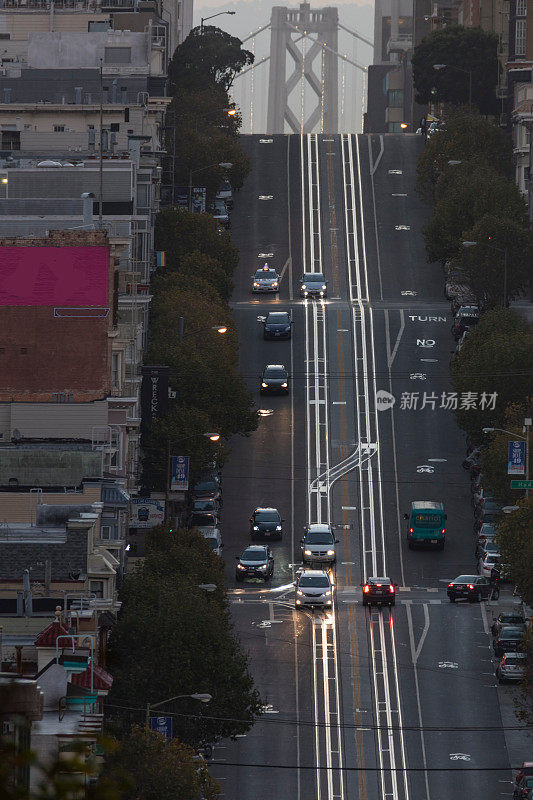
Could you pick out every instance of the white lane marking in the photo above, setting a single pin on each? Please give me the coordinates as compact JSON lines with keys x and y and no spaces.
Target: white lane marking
{"x":408,"y":293}
{"x":438,"y":460}
{"x":266,"y":197}
{"x":265,"y":255}
{"x":415,"y":652}
{"x":266,"y":141}
{"x":282,"y":273}
{"x":425,"y":342}
{"x":339,"y":403}
{"x":430,"y":360}
{"x":402,"y":227}
{"x":343,"y":330}
{"x":417,"y":376}
{"x":460,"y":757}
{"x":395,"y":172}
{"x":451,"y":665}
{"x":373,"y":167}
{"x":399,"y":194}
{"x":425,"y":468}
{"x":392,"y":356}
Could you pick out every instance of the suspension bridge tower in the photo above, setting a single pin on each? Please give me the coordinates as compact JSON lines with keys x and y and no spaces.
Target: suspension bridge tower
{"x":292,"y":31}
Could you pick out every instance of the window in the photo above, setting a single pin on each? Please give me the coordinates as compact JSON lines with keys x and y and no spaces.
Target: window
{"x":114,"y":126}
{"x":124,"y":94}
{"x":115,"y":370}
{"x":5,"y":36}
{"x":59,"y":129}
{"x":526,"y":179}
{"x":520,"y":37}
{"x":521,"y":8}
{"x":105,"y":532}
{"x":394,"y":127}
{"x":103,"y":25}
{"x":10,"y":140}
{"x":142,"y":195}
{"x":117,"y":55}
{"x":97,"y":588}
{"x":395,"y":98}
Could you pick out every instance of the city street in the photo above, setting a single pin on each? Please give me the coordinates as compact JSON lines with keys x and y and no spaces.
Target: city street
{"x":397,"y":703}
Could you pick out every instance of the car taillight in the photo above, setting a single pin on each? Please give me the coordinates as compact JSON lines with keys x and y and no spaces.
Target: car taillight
{"x":450,"y":585}
{"x":366,"y":588}
{"x":378,"y":584}
{"x":391,"y":588}
{"x":410,"y":530}
{"x":443,"y":530}
{"x":470,"y":586}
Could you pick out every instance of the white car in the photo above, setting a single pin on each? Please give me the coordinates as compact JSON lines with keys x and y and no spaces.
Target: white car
{"x":213,"y":539}
{"x":314,"y":588}
{"x":486,"y":564}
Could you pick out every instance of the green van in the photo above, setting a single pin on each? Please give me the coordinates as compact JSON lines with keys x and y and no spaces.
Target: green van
{"x":426,"y":524}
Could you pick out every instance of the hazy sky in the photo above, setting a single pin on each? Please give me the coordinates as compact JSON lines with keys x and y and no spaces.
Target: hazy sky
{"x":252,"y":97}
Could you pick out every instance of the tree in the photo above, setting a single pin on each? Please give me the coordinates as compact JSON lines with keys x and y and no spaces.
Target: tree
{"x":497,"y":357}
{"x":495,"y":453}
{"x":146,"y":766}
{"x":467,"y":138}
{"x":461,"y":49}
{"x":206,"y":106}
{"x":201,"y":151}
{"x":182,"y":232}
{"x":500,"y":262}
{"x":208,"y":57}
{"x":198,"y":265}
{"x":463,"y":194}
{"x":516,"y":546}
{"x":173,"y":638}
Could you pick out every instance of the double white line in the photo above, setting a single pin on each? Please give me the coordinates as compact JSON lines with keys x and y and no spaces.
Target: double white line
{"x":326,"y":700}
{"x":388,"y":713}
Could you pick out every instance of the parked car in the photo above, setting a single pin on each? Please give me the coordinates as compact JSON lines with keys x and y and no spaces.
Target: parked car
{"x":219,"y":211}
{"x":314,"y":588}
{"x":512,"y":667}
{"x":525,"y":790}
{"x":318,"y":544}
{"x":226,"y":193}
{"x":487,"y":563}
{"x":509,"y":639}
{"x":465,"y":319}
{"x":206,"y":490}
{"x":473,"y":588}
{"x":201,"y":519}
{"x":256,"y":561}
{"x":491,"y":506}
{"x":205,"y":504}
{"x":213,"y":539}
{"x":525,"y":771}
{"x":486,"y":547}
{"x":515,"y":617}
{"x":379,"y":590}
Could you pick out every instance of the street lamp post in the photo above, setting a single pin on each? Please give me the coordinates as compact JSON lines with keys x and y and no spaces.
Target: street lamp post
{"x":181,"y":327}
{"x":527,"y":426}
{"x":505,"y":251}
{"x":201,"y":697}
{"x":204,"y":19}
{"x":222,"y":164}
{"x":461,"y":69}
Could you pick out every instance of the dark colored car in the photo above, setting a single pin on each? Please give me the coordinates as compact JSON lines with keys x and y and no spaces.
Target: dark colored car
{"x":471,"y":587}
{"x":465,"y":319}
{"x":206,"y":490}
{"x":219,"y":211}
{"x":313,"y":284}
{"x":509,"y":639}
{"x":207,"y":505}
{"x":488,"y":516}
{"x":507,"y":618}
{"x":379,"y":590}
{"x":525,"y":790}
{"x":274,"y":380}
{"x":277,"y":325}
{"x":201,"y":519}
{"x":266,"y":522}
{"x":256,"y":561}
{"x":488,"y":507}
{"x":265,"y":279}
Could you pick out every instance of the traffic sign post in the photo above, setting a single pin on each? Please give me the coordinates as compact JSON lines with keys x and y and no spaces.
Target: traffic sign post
{"x":521,"y":484}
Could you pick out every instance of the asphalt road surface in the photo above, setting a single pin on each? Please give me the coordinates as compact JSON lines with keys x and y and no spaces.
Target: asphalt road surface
{"x":380,"y":704}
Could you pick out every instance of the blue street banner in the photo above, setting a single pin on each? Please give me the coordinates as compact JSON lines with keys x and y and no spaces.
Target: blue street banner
{"x":162,"y":725}
{"x":179,"y":474}
{"x":516,"y":463}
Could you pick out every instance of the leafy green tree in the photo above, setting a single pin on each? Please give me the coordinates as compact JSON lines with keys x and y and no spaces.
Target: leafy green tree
{"x":182,"y":232}
{"x":495,"y":452}
{"x":463,"y":195}
{"x":467,"y":138}
{"x":208,"y":57}
{"x":201,"y":151}
{"x":173,"y":638}
{"x":497,"y":356}
{"x":516,"y":546}
{"x":146,"y":766}
{"x":198,"y":265}
{"x":204,"y":107}
{"x":461,"y":49}
{"x":500,"y":261}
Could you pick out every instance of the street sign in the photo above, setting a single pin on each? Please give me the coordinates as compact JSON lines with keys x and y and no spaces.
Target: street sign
{"x":521,"y":484}
{"x":516,"y":463}
{"x":146,"y":513}
{"x":162,"y":725}
{"x":179,"y":475}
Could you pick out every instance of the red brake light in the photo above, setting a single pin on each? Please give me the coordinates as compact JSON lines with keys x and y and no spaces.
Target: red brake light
{"x":391,"y":588}
{"x":410,"y":530}
{"x":366,"y":588}
{"x":450,"y":584}
{"x":443,"y":530}
{"x":378,"y":584}
{"x":470,"y":586}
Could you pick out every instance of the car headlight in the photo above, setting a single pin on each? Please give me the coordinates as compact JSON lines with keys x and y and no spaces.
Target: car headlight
{"x":308,"y":553}
{"x":264,"y":385}
{"x":330,"y":553}
{"x":299,"y":592}
{"x":240,"y":566}
{"x":298,"y":602}
{"x":274,"y":285}
{"x":287,"y":329}
{"x":278,"y":527}
{"x":284,"y":385}
{"x":324,"y":288}
{"x":304,"y":287}
{"x":256,"y":527}
{"x":321,"y":294}
{"x":256,"y":286}
{"x":328,"y":593}
{"x":263,"y":566}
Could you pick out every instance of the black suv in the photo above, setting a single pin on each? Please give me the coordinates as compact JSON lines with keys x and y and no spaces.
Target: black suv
{"x":266,"y":522}
{"x":277,"y":325}
{"x":471,"y":587}
{"x":379,"y":590}
{"x":275,"y":379}
{"x":256,"y":561}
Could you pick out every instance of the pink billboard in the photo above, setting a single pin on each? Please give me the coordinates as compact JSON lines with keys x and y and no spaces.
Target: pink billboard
{"x":54,"y":276}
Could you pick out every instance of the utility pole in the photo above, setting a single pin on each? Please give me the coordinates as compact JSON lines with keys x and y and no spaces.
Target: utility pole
{"x":101,"y":165}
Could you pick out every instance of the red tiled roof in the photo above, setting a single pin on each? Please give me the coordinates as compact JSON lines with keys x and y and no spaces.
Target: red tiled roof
{"x":48,"y":637}
{"x":101,"y":678}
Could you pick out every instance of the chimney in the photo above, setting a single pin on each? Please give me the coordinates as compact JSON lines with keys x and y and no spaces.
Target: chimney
{"x":88,"y":199}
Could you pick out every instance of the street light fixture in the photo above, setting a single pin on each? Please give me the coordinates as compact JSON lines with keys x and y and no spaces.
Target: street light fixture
{"x":505,"y":252}
{"x":461,"y":69}
{"x":221,"y":164}
{"x":454,"y":163}
{"x":204,"y":19}
{"x":181,"y":328}
{"x":201,"y":697}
